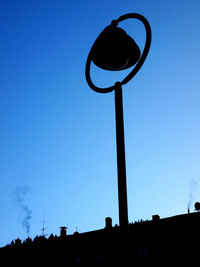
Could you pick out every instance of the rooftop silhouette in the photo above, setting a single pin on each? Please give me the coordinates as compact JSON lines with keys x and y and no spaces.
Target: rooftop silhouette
{"x":158,"y":242}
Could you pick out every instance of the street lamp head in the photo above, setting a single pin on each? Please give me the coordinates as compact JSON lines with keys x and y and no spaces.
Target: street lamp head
{"x":115,"y":50}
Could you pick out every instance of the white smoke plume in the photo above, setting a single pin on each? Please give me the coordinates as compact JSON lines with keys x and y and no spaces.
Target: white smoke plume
{"x":193,"y":185}
{"x":19,"y":194}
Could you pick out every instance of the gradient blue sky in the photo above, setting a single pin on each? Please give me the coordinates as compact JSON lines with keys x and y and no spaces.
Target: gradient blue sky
{"x":57,"y":136}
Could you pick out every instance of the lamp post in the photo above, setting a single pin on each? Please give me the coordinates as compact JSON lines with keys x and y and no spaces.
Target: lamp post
{"x":115,"y":50}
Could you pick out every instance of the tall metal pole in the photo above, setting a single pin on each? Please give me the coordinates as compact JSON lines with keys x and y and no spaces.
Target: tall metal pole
{"x":121,"y":163}
{"x":96,"y":56}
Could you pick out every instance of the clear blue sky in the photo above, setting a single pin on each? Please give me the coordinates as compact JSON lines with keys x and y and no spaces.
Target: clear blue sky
{"x":57,"y":136}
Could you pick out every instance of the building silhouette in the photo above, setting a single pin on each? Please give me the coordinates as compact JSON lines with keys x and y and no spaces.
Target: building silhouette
{"x":172,"y":241}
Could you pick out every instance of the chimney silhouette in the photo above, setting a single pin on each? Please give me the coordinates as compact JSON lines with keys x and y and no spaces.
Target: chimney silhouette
{"x":155,"y":218}
{"x":63,"y":231}
{"x":108,"y":221}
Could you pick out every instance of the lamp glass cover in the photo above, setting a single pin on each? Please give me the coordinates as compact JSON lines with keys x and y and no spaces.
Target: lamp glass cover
{"x":115,"y":50}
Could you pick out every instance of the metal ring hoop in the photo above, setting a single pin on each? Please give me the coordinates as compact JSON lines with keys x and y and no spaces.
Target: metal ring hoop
{"x":137,"y":66}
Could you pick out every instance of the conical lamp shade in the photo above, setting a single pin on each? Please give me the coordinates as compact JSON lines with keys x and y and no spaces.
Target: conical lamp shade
{"x":115,"y":50}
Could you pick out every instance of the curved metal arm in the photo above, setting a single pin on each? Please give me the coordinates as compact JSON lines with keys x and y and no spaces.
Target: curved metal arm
{"x":139,"y":63}
{"x":89,"y":81}
{"x":146,"y":47}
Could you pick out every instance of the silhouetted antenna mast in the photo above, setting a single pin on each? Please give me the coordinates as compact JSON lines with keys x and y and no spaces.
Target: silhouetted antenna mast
{"x":44,"y":228}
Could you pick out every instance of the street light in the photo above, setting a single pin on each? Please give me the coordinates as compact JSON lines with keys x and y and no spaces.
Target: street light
{"x":115,"y":50}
